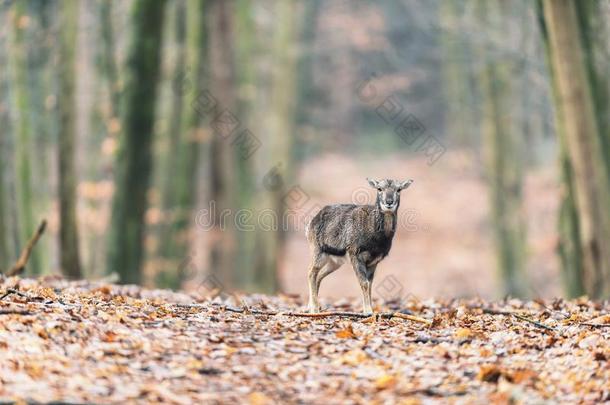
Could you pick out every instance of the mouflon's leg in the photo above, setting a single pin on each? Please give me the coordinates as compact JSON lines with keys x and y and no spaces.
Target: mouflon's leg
{"x":365,"y":283}
{"x":370,"y":274}
{"x":317,"y":262}
{"x":330,"y":268}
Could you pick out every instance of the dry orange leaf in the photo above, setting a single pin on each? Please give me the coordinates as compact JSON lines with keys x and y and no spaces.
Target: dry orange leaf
{"x":489,"y":373}
{"x":347,"y":333}
{"x":521,"y":376}
{"x":385,"y":381}
{"x":258,"y":398}
{"x":463,"y":333}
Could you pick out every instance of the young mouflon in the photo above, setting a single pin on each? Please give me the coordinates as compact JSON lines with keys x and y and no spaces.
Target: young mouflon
{"x":361,"y":234}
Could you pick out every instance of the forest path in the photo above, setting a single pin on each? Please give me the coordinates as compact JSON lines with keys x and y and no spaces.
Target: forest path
{"x":101,"y":343}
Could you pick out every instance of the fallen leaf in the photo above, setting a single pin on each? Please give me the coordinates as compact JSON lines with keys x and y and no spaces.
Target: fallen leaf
{"x":463,"y":333}
{"x":347,"y":333}
{"x":258,"y":398}
{"x":489,"y":373}
{"x":385,"y":381}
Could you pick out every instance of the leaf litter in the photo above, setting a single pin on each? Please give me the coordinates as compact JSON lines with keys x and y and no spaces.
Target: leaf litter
{"x":91,"y":342}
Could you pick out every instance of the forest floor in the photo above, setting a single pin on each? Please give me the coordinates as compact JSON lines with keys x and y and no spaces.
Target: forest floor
{"x":88,"y":342}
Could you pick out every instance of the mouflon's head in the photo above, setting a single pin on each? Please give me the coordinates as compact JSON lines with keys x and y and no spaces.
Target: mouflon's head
{"x":388,"y":193}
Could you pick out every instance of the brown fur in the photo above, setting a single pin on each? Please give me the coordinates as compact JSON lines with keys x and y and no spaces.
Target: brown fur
{"x":361,"y":234}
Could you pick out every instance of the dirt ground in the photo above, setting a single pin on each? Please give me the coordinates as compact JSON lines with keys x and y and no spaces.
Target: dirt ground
{"x":82,"y":342}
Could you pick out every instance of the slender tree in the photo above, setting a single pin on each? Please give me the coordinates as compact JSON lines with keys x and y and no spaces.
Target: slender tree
{"x":585,"y":212}
{"x":169,"y":153}
{"x":4,"y":155}
{"x":223,"y":176}
{"x":68,"y":226}
{"x":504,"y":162}
{"x":455,"y":72}
{"x":108,"y":58}
{"x":279,"y":145}
{"x":248,"y":47}
{"x":23,"y":130}
{"x":4,"y":233}
{"x":134,"y":161}
{"x":181,"y":189}
{"x":176,"y":115}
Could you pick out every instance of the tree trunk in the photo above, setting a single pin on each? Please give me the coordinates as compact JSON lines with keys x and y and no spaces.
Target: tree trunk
{"x":176,"y":116}
{"x":278,"y":152}
{"x":5,"y":155}
{"x":21,"y":101}
{"x":595,"y":34}
{"x":134,"y":160}
{"x":4,"y":232}
{"x":455,"y":74}
{"x":108,"y":57}
{"x":68,"y":229}
{"x":189,"y":143}
{"x":170,"y":157}
{"x":504,"y":165}
{"x":222,"y":159}
{"x":247,"y":45}
{"x":586,"y":207}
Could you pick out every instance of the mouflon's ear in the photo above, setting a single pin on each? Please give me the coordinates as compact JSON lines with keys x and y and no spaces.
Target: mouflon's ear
{"x":405,"y":184}
{"x":373,"y":183}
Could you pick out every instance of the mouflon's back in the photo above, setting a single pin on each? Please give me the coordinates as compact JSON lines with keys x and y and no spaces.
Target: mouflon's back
{"x":337,"y":227}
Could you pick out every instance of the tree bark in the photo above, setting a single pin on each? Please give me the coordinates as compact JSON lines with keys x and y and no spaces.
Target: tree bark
{"x":278,"y":153}
{"x":4,"y":232}
{"x":504,"y":163}
{"x":134,"y":160}
{"x":588,"y":186}
{"x":23,"y":144}
{"x":68,"y":225}
{"x":248,"y":46}
{"x":222,"y":158}
{"x":109,"y":58}
{"x":189,"y":143}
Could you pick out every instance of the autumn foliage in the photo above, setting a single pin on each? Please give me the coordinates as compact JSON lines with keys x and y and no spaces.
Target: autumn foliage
{"x":94,"y":342}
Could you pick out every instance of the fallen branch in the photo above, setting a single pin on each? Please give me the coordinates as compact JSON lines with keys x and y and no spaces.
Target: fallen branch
{"x":533,"y":322}
{"x":358,"y":315}
{"x":13,"y":291}
{"x":517,"y":315}
{"x":602,"y":321}
{"x":19,"y":267}
{"x":596,"y":325}
{"x":492,"y":311}
{"x":14,"y":312}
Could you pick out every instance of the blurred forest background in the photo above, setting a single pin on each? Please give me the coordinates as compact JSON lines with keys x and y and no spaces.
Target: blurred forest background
{"x":133,"y":126}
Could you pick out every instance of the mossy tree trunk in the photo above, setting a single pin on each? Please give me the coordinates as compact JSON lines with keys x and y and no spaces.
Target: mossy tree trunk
{"x":278,"y":145}
{"x":108,"y":57}
{"x":503,"y":157}
{"x":68,"y":226}
{"x":455,"y":74}
{"x":182,"y":191}
{"x":585,"y":213}
{"x":134,"y":160}
{"x":247,"y":47}
{"x":223,"y":176}
{"x":4,"y":232}
{"x":169,"y":176}
{"x":23,"y":128}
